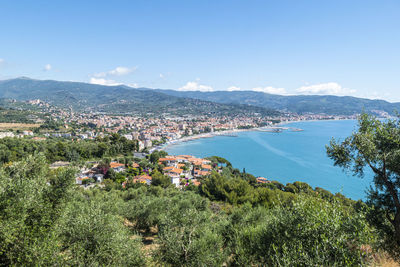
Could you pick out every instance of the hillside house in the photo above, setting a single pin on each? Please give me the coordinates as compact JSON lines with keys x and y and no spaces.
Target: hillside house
{"x":117,"y":167}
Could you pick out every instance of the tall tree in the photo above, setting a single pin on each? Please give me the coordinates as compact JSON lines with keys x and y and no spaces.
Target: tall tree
{"x":375,"y":145}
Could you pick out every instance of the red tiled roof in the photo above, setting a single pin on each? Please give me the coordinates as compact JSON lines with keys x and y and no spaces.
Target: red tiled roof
{"x":176,"y":170}
{"x":143,"y":176}
{"x":135,"y":165}
{"x":205,"y":166}
{"x":116,"y":165}
{"x":167,"y":159}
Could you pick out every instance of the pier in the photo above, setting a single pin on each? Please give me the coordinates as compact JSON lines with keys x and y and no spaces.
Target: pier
{"x":279,"y":129}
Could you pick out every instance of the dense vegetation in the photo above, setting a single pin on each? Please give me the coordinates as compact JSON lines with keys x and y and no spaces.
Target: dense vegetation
{"x":16,"y":116}
{"x":45,"y":220}
{"x":17,"y":112}
{"x":13,"y":149}
{"x":118,"y":99}
{"x":376,"y":146}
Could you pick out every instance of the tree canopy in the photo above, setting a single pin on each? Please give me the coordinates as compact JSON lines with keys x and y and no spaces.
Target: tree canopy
{"x":375,"y":146}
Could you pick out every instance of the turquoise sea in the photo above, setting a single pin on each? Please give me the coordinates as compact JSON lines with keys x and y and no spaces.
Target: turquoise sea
{"x":286,"y":156}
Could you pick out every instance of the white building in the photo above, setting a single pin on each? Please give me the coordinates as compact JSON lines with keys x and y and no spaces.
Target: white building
{"x":6,"y":134}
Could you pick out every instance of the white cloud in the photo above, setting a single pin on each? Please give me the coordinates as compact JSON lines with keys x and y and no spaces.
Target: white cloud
{"x":47,"y":67}
{"x":233,"y":88}
{"x":162,"y":76}
{"x":102,"y":81}
{"x":195,"y":86}
{"x":330,"y":88}
{"x":118,"y":71}
{"x":270,"y":90}
{"x":133,"y":85}
{"x":1,"y":61}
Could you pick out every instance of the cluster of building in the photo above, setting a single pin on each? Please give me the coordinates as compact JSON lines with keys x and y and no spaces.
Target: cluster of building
{"x":152,"y":131}
{"x":12,"y":134}
{"x":185,"y":168}
{"x":182,"y":170}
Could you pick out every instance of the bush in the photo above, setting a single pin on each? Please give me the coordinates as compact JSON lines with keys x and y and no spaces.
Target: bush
{"x":92,"y":237}
{"x":189,"y":235}
{"x":312,"y":232}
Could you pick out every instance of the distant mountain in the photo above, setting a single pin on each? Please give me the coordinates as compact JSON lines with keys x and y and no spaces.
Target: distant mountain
{"x":117,"y":99}
{"x":333,"y":105}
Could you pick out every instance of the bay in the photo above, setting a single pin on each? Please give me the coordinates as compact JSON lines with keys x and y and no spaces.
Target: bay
{"x":285,"y":157}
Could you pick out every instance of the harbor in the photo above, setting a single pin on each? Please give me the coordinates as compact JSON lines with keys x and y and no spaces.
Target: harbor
{"x":279,"y":129}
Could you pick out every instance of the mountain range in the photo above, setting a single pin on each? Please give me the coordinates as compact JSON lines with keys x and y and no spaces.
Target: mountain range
{"x":300,"y":104}
{"x":123,"y":99}
{"x":118,"y":99}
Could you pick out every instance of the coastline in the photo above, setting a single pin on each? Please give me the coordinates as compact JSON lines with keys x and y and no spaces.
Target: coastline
{"x":285,"y":157}
{"x":201,"y":136}
{"x":230,"y":131}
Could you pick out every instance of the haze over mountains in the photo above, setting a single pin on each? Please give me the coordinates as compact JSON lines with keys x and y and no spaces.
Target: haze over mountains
{"x":124,"y":99}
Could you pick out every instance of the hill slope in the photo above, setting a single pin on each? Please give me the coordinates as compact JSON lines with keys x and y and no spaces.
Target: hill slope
{"x":333,"y":105}
{"x":116,"y":99}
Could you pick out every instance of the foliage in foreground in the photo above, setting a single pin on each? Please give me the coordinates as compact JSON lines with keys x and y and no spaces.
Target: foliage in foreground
{"x":45,"y":220}
{"x":375,"y":146}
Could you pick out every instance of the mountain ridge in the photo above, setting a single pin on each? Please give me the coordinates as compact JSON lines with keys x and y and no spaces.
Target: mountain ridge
{"x":301,"y":104}
{"x":122,"y":98}
{"x":118,"y":99}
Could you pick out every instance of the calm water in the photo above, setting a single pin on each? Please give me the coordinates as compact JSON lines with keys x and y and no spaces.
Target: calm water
{"x":285,"y":157}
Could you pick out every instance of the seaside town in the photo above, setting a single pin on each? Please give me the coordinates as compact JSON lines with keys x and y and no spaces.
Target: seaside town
{"x":200,"y":133}
{"x":152,"y":131}
{"x":151,"y":134}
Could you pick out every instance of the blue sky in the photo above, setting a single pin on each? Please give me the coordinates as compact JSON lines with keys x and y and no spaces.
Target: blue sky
{"x":287,"y":47}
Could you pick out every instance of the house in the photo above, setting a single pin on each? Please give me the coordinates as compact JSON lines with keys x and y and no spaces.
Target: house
{"x":206,"y":167}
{"x":6,"y":134}
{"x":27,"y":133}
{"x":180,"y":165}
{"x":167,"y":160}
{"x":99,"y":177}
{"x":144,"y":178}
{"x":181,"y":159}
{"x":174,"y":172}
{"x":175,"y":181}
{"x":262,"y":180}
{"x":141,"y":145}
{"x":80,"y":180}
{"x":169,"y":168}
{"x":117,"y":167}
{"x":200,"y":173}
{"x":147,"y":143}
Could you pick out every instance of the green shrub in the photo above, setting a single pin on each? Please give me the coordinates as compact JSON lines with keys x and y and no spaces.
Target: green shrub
{"x":312,"y":232}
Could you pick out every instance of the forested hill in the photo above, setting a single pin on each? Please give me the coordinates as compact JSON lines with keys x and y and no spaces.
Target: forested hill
{"x":117,"y":99}
{"x":333,"y":105}
{"x":124,"y":99}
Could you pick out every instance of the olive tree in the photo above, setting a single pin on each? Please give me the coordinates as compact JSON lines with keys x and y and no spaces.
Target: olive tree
{"x":31,"y":202}
{"x":189,"y":233}
{"x":375,"y":145}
